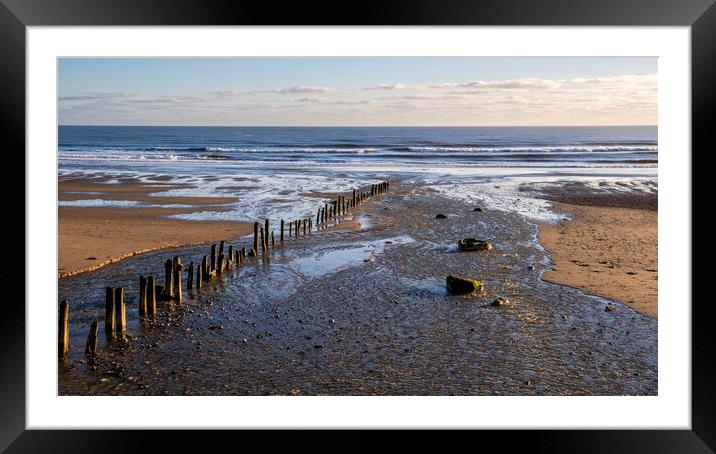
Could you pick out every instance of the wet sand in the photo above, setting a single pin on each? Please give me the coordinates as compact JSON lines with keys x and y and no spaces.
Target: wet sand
{"x":366,"y":312}
{"x":607,"y":249}
{"x":91,"y":237}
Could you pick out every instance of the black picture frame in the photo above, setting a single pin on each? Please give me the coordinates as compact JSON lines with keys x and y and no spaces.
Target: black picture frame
{"x":700,"y":15}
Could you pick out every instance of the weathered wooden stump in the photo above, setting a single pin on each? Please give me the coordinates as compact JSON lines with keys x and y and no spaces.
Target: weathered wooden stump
{"x":63,"y":339}
{"x":120,"y":314}
{"x":267,"y":229}
{"x":91,"y":346}
{"x":190,"y":276}
{"x":168,"y":293}
{"x":142,"y":296}
{"x":151,"y":297}
{"x":109,"y":312}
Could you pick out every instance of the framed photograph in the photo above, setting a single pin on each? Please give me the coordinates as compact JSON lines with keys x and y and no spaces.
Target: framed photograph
{"x":455,"y":217}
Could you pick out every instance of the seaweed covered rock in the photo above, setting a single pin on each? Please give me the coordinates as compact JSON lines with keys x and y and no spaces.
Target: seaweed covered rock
{"x":440,"y":216}
{"x":462,"y":286}
{"x":472,"y":244}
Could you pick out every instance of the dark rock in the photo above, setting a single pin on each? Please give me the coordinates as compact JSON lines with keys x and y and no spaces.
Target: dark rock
{"x":440,"y":216}
{"x":479,"y":209}
{"x":462,"y":286}
{"x":472,"y":244}
{"x":610,"y":308}
{"x":500,"y":302}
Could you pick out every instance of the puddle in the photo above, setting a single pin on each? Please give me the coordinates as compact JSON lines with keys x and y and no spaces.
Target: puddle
{"x":325,"y":262}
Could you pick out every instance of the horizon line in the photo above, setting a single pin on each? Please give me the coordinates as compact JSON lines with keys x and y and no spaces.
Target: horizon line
{"x":361,"y":126}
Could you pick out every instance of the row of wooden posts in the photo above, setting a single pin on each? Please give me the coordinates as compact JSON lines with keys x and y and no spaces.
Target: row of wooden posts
{"x":150,"y":292}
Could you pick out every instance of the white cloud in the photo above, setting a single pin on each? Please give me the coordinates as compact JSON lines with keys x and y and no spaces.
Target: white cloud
{"x":398,"y":86}
{"x":619,"y":99}
{"x":304,"y":89}
{"x":311,"y":99}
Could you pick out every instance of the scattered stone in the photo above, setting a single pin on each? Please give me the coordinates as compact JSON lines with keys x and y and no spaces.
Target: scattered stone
{"x":480,"y":209}
{"x":91,"y":258}
{"x":462,"y":286}
{"x":564,"y":317}
{"x":472,"y":244}
{"x":610,"y":308}
{"x":440,"y":216}
{"x":500,"y":302}
{"x":244,"y":340}
{"x":531,"y":267}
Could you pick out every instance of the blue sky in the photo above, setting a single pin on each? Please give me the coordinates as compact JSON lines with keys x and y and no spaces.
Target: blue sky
{"x":358,"y":91}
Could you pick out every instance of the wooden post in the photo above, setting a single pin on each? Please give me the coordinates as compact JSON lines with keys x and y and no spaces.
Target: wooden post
{"x":230,"y":255}
{"x":282,"y":230}
{"x":190,"y":276}
{"x":168,"y":273}
{"x":243,"y":253}
{"x":177,"y":280}
{"x":63,"y":339}
{"x":305,"y":226}
{"x":252,"y":252}
{"x":310,"y":225}
{"x":326,"y":213}
{"x":273,"y":240}
{"x":204,"y":268}
{"x":267,"y":229}
{"x":353,"y":198}
{"x":120,"y":315}
{"x":212,"y":261}
{"x":256,"y":236}
{"x":151,"y":297}
{"x":221,"y":247}
{"x":290,"y":229}
{"x":91,"y":346}
{"x":142,"y":296}
{"x":199,"y":275}
{"x":220,"y":268}
{"x":237,"y":258}
{"x":109,"y":312}
{"x":263,"y":244}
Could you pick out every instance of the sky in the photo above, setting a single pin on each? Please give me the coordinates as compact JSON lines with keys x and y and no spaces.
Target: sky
{"x":358,"y":91}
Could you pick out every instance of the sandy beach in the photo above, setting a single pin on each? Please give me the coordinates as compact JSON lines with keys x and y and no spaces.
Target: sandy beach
{"x":361,"y":308}
{"x":606,"y":248}
{"x":93,"y":236}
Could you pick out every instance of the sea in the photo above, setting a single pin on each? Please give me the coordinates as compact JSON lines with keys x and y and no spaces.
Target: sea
{"x":278,"y":167}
